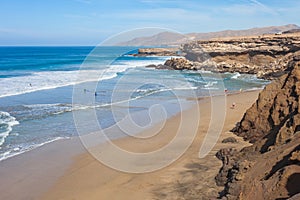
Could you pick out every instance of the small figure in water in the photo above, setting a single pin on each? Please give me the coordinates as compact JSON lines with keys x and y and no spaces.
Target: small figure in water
{"x":95,"y":94}
{"x":30,"y":85}
{"x":84,"y":90}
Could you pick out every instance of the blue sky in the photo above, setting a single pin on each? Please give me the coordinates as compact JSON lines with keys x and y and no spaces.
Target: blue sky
{"x":88,"y":22}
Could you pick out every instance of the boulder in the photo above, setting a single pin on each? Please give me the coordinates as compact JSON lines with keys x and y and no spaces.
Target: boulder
{"x":229,"y":140}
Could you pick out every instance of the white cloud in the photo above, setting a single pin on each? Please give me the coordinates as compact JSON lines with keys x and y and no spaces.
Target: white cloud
{"x":264,"y":7}
{"x":251,"y":7}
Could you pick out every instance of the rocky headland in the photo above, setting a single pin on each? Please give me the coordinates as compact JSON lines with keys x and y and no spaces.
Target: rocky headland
{"x":265,"y":56}
{"x":270,"y":168}
{"x":157,"y":52}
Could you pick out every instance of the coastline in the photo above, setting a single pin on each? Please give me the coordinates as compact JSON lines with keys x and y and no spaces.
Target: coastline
{"x":86,"y":177}
{"x":150,"y":100}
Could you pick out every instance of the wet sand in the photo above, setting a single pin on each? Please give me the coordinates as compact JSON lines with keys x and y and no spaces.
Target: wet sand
{"x":189,"y":177}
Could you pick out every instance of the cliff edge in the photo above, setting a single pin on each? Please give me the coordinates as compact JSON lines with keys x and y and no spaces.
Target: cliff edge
{"x":265,"y":56}
{"x":270,"y":168}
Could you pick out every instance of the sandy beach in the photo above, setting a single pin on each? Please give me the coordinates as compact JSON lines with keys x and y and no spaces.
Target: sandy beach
{"x":189,"y":177}
{"x":149,"y":100}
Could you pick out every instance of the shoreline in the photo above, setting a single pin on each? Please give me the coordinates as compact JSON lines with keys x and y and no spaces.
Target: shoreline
{"x":85,"y":175}
{"x":51,"y":163}
{"x":27,"y":175}
{"x":171,"y":115}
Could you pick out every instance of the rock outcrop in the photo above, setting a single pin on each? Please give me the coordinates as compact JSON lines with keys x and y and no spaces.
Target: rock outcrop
{"x":270,"y":168}
{"x":230,"y":140}
{"x":157,"y":52}
{"x":265,"y":56}
{"x":276,"y":113}
{"x":175,"y":64}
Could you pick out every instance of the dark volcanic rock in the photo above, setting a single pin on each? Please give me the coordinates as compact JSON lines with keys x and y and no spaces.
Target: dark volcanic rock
{"x":160,"y":66}
{"x":229,"y":140}
{"x":175,"y":64}
{"x":270,"y":168}
{"x":228,"y":160}
{"x":179,"y":64}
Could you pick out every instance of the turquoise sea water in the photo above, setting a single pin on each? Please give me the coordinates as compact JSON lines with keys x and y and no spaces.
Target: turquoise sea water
{"x":36,"y":91}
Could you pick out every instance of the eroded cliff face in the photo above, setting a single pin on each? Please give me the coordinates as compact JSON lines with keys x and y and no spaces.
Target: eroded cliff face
{"x":270,"y":168}
{"x":264,"y":56}
{"x":275,"y":115}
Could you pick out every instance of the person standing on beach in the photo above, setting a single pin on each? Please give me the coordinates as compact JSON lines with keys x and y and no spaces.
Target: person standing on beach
{"x":232,"y":105}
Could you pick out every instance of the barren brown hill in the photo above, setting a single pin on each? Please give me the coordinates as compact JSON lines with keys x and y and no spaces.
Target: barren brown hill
{"x":172,"y":38}
{"x":270,"y":168}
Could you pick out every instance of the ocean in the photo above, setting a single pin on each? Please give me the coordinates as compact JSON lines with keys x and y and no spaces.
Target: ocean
{"x":42,"y":87}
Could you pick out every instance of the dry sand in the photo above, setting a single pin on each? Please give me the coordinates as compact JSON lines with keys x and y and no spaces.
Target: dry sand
{"x":188,"y":178}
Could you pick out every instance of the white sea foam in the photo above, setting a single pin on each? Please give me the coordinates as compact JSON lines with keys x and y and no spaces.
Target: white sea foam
{"x":204,"y":72}
{"x":37,"y":81}
{"x":44,"y":110}
{"x":236,"y":75}
{"x":211,"y":88}
{"x":185,"y":88}
{"x":53,"y":79}
{"x":210,"y":84}
{"x":20,"y":150}
{"x":6,"y":123}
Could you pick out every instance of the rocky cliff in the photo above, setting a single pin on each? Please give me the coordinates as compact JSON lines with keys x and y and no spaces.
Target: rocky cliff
{"x":264,"y":56}
{"x":270,"y":168}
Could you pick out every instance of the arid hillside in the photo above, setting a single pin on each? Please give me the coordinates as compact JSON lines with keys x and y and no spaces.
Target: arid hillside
{"x":270,"y":168}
